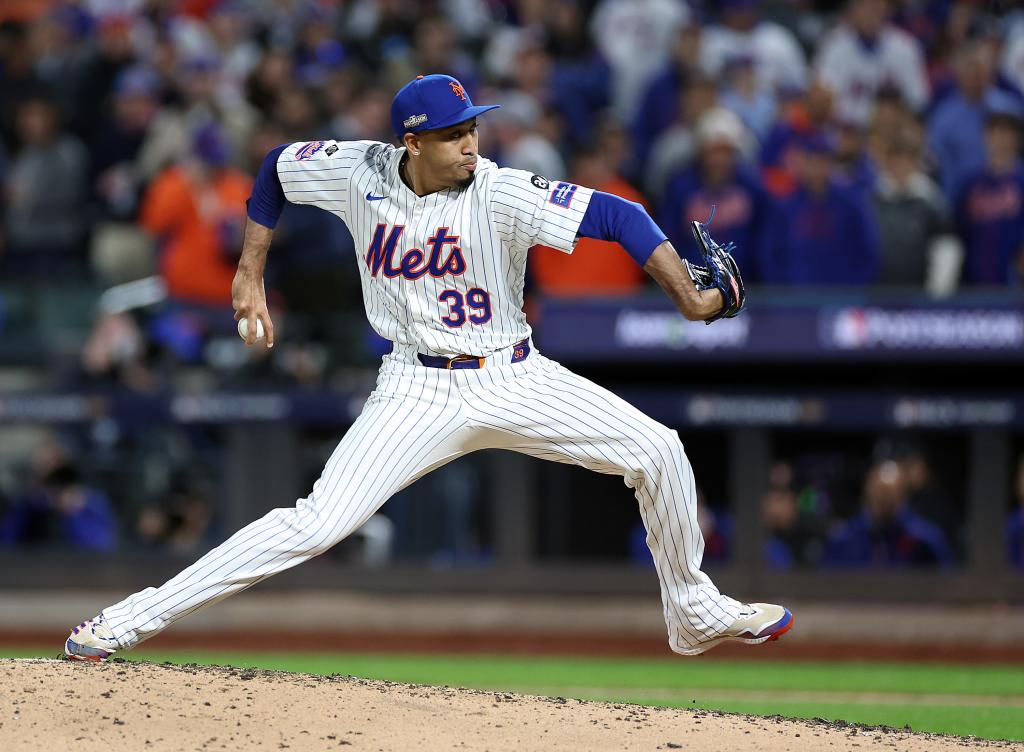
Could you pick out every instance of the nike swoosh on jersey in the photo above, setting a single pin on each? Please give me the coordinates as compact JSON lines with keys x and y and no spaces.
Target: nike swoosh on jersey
{"x":371,"y":197}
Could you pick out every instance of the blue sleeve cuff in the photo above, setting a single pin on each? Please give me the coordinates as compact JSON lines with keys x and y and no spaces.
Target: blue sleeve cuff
{"x":267,"y":200}
{"x":609,"y":217}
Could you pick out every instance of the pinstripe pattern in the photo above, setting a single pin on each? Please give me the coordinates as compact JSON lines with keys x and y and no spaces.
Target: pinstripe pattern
{"x":554,"y":414}
{"x":536,"y":407}
{"x":498,"y":218}
{"x":419,"y":418}
{"x":360,"y":475}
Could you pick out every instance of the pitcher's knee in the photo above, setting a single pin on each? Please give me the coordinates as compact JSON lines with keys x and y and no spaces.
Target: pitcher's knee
{"x":674,"y":437}
{"x":661,"y":453}
{"x":670,"y":448}
{"x":311,"y":532}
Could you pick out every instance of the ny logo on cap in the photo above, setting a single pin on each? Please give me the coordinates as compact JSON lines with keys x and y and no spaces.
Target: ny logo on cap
{"x":459,"y":91}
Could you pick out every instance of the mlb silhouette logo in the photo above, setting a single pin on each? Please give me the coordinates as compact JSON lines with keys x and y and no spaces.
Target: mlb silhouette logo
{"x":562,"y":195}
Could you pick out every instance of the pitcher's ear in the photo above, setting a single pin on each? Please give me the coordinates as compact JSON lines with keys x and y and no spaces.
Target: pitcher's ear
{"x":412,"y":143}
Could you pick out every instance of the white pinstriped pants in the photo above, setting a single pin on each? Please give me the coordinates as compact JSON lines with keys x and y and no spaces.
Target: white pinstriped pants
{"x":418,"y":419}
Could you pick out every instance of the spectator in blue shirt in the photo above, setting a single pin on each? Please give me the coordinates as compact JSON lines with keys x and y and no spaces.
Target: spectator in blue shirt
{"x":887,"y":532}
{"x":792,"y":528}
{"x":956,"y":126}
{"x":802,"y":114}
{"x":61,"y":511}
{"x":824,"y":233}
{"x":718,"y":178}
{"x":755,"y":104}
{"x":990,"y":208}
{"x":659,"y":104}
{"x":854,"y":167}
{"x":114,"y":179}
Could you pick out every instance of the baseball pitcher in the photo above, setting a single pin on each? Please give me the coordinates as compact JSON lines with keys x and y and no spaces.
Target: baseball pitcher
{"x":442,"y":236}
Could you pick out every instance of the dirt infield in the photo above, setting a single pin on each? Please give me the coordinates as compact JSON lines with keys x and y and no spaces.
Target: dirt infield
{"x":57,"y":705}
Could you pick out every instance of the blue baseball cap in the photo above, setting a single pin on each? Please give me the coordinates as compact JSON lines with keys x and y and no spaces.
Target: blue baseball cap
{"x":430,"y":102}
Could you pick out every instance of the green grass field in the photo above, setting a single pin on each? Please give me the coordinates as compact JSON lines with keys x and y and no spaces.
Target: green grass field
{"x":985,"y":701}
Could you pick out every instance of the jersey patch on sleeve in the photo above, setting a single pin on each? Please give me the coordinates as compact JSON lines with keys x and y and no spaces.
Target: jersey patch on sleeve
{"x":562,"y":195}
{"x":542,"y":183}
{"x":306,"y":151}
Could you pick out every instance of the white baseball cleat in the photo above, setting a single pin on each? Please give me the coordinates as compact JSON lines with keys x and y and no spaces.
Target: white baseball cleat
{"x":91,"y":640}
{"x":756,"y":623}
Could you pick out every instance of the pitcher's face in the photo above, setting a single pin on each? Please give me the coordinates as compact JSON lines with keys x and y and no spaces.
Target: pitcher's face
{"x":448,"y":156}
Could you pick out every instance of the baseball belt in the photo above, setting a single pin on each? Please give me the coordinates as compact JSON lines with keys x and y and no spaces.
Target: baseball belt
{"x":520,"y":351}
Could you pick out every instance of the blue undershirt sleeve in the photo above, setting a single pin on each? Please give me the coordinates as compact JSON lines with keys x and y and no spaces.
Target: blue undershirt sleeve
{"x":266,"y":203}
{"x":609,"y":217}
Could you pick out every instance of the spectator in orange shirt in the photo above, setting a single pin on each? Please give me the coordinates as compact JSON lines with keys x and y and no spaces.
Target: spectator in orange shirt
{"x":596,"y":267}
{"x":197,"y":211}
{"x":24,"y":10}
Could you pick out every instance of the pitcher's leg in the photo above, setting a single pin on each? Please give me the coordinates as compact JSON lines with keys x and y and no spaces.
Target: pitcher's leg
{"x":397,"y":439}
{"x":551,"y":413}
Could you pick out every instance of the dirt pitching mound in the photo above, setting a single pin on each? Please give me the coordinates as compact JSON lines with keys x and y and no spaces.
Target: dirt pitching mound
{"x":58,"y":705}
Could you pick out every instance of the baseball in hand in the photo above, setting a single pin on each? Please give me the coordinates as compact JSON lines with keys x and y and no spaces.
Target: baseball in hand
{"x":243,"y":328}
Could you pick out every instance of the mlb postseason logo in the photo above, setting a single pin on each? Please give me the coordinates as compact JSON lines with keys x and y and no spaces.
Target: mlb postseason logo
{"x":562,"y":195}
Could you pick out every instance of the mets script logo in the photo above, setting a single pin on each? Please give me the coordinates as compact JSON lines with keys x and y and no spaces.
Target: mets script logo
{"x":380,"y":256}
{"x":459,"y":91}
{"x":306,"y":151}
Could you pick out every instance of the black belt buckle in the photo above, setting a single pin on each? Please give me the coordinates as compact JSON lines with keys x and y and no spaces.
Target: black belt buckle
{"x":471,"y":361}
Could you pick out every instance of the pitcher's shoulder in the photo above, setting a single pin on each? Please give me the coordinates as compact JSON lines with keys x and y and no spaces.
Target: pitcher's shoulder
{"x":486,"y":170}
{"x":512,"y":179}
{"x":521,"y":184}
{"x":376,"y":153}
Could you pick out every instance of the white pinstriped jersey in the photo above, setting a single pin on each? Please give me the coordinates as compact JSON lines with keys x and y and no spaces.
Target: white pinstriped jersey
{"x":445,"y":271}
{"x":443,"y":274}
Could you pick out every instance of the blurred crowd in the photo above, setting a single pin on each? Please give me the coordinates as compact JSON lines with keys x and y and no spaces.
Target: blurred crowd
{"x":817,"y":512}
{"x":900,"y":516}
{"x":65,"y":490}
{"x":864,"y":143}
{"x":162,"y":491}
{"x":859,"y":143}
